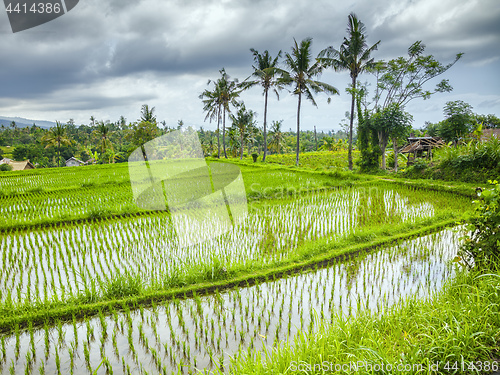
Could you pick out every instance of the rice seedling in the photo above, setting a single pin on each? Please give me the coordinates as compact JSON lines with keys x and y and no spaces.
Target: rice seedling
{"x":75,"y":262}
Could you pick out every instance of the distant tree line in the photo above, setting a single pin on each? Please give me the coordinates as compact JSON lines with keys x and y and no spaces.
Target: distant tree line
{"x":103,"y":142}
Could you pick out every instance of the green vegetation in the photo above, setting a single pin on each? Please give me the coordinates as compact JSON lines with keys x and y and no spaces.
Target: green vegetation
{"x":470,"y":162}
{"x":202,"y":326}
{"x":481,"y":247}
{"x":315,"y":160}
{"x":456,"y":331}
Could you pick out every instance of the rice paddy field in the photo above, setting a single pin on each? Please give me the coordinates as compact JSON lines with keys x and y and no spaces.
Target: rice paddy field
{"x":92,"y":284}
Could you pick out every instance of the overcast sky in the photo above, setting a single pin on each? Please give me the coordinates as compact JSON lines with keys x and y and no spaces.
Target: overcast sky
{"x":108,"y":57}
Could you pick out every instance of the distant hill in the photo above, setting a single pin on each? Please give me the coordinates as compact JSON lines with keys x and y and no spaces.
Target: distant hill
{"x":24,"y":122}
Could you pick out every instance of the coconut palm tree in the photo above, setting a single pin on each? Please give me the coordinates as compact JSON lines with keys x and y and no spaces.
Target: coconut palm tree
{"x":219,"y":100}
{"x":354,"y":56}
{"x":229,"y":91}
{"x":300,"y":72}
{"x":265,"y":70}
{"x":243,"y":121}
{"x":103,"y":133}
{"x":147,"y":114}
{"x":277,"y":137}
{"x":56,"y":136}
{"x":212,"y":104}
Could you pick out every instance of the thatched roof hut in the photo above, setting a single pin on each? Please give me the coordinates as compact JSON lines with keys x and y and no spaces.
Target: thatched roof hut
{"x":21,"y":165}
{"x":421,"y":147}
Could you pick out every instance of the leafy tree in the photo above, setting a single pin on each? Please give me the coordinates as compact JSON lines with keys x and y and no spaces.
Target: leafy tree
{"x":482,"y":245}
{"x":488,"y":121}
{"x":266,"y":72}
{"x":403,"y":78}
{"x":367,"y":141}
{"x":300,"y":72}
{"x":142,"y":132}
{"x":391,"y":122}
{"x":353,"y":55}
{"x":55,"y":137}
{"x":329,"y":144}
{"x":459,"y":121}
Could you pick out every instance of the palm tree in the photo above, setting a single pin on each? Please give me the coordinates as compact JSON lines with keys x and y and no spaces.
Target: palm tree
{"x":103,"y":132}
{"x":229,"y":90}
{"x":147,"y":114}
{"x":265,"y":70}
{"x":219,"y":101}
{"x":301,"y":73}
{"x":56,"y":136}
{"x":212,"y":105}
{"x":354,"y":56}
{"x":243,"y":122}
{"x":277,"y":137}
{"x":92,"y":120}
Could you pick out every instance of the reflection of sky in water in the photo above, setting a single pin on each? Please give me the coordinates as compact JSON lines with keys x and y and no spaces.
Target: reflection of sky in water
{"x":254,"y":316}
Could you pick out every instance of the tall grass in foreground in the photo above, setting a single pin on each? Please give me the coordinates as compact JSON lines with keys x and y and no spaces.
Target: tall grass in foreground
{"x":456,"y":331}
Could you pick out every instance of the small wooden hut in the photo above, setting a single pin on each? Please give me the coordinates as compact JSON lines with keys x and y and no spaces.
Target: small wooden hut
{"x":74,"y":162}
{"x":18,"y":165}
{"x":420,"y":147}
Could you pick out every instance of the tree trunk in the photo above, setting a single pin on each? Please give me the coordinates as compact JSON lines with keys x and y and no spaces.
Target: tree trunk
{"x":298,"y":130}
{"x":395,"y":144}
{"x":218,"y":134}
{"x":382,"y":140}
{"x":241,"y":146}
{"x":315,"y":138}
{"x":265,"y":129}
{"x":353,"y":99}
{"x":224,"y":131}
{"x":383,"y":147}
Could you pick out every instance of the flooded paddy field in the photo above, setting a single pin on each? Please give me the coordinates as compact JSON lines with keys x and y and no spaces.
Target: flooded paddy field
{"x":185,"y":335}
{"x":68,"y":261}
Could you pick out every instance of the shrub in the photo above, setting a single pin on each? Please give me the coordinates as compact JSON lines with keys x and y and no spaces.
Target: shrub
{"x":482,"y":245}
{"x":5,"y":167}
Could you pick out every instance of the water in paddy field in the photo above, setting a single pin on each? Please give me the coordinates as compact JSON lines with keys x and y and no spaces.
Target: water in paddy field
{"x":204,"y":332}
{"x":63,"y":262}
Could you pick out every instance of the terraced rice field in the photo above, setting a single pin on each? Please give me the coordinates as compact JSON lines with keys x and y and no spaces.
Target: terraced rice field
{"x":87,"y":259}
{"x":205,"y":332}
{"x":66,"y":246}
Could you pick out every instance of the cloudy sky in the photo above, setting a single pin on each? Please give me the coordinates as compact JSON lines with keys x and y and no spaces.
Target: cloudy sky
{"x":108,"y":57}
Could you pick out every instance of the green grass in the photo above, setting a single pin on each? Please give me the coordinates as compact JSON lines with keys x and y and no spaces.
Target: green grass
{"x":459,"y":326}
{"x":7,"y":151}
{"x":473,"y":161}
{"x":330,"y":160}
